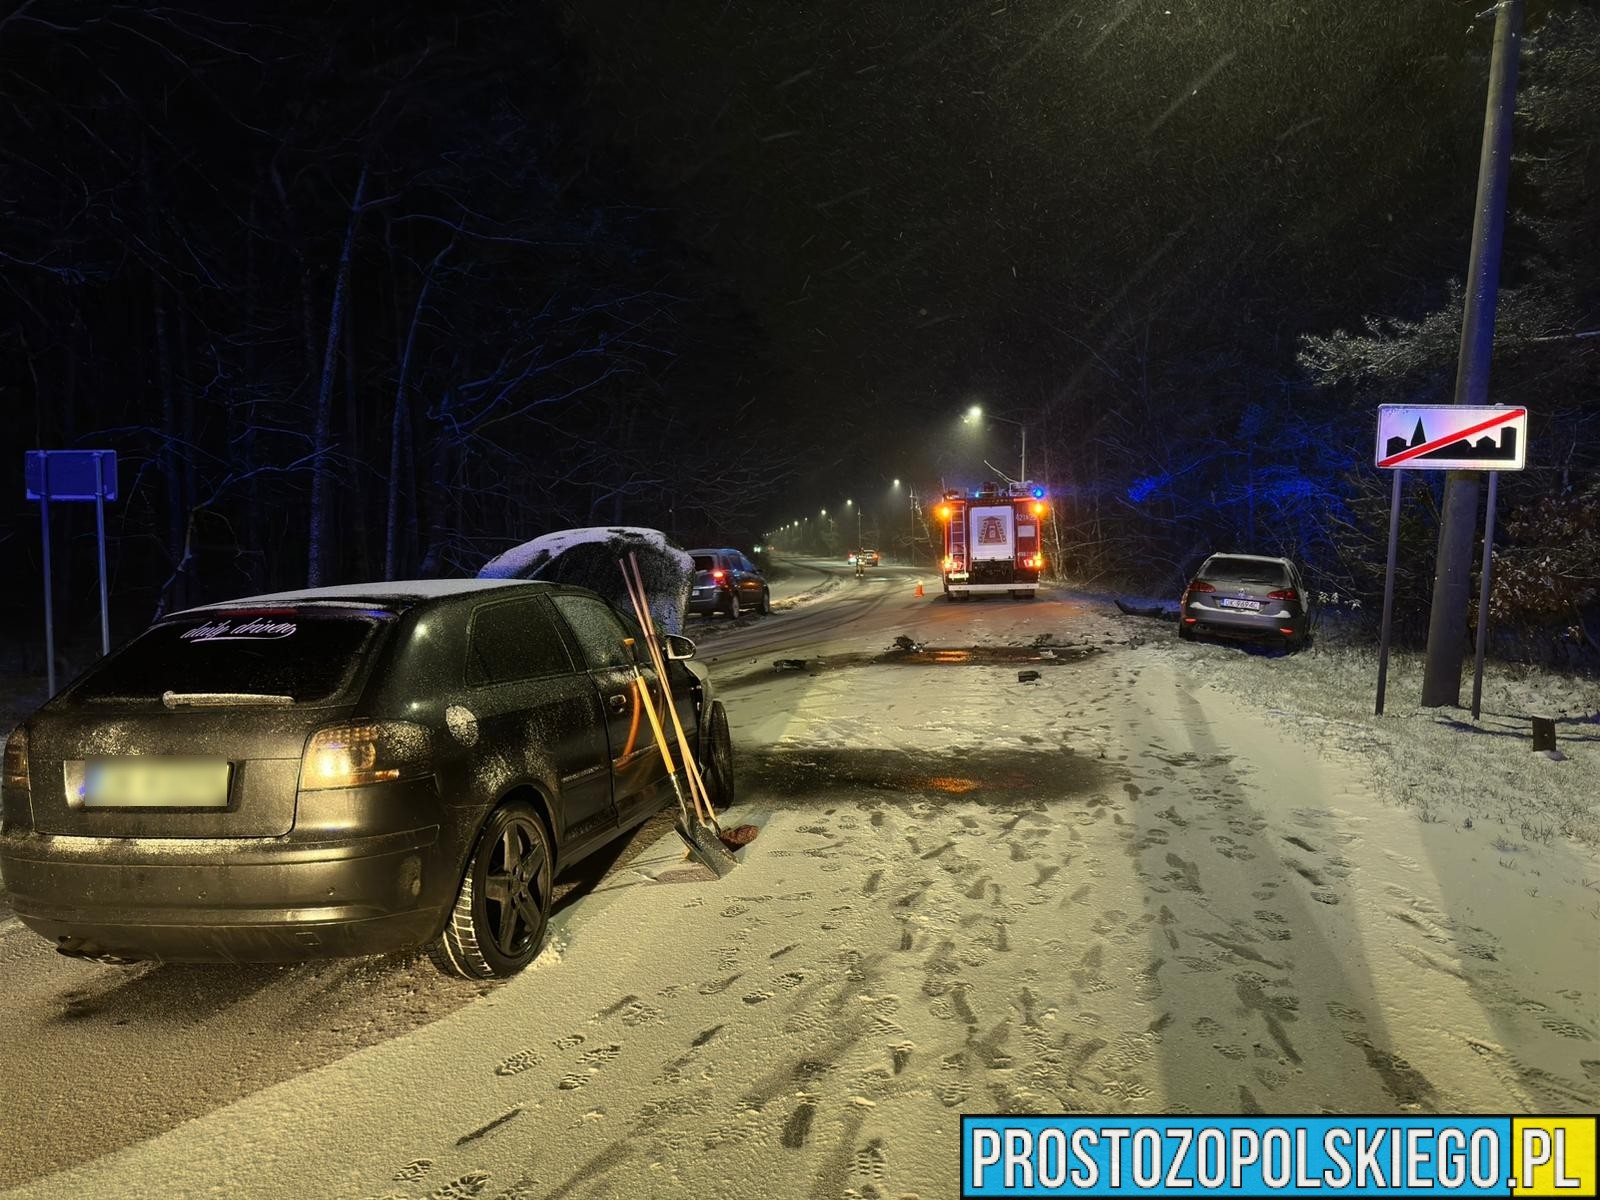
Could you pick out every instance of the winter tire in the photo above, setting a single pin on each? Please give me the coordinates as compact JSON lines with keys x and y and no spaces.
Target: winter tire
{"x":716,"y":765}
{"x":1185,"y":633}
{"x":733,"y":606}
{"x":766,"y":603}
{"x":498,"y":923}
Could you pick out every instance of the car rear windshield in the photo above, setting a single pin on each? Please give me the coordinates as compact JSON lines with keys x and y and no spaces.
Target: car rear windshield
{"x":704,"y":562}
{"x":1244,"y":570}
{"x":307,"y":656}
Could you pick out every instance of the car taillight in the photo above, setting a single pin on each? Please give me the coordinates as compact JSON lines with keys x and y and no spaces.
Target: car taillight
{"x":1200,"y":585}
{"x":343,"y":756}
{"x":16,"y":762}
{"x":719,"y":575}
{"x":951,"y":564}
{"x":1034,"y":560}
{"x":1283,"y":594}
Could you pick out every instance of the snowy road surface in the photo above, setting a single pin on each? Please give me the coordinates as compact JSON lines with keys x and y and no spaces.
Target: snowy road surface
{"x":1138,"y":884}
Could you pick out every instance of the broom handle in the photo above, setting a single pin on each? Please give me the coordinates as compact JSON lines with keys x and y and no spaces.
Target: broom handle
{"x":636,"y":594}
{"x":691,"y":766}
{"x":661,"y":737}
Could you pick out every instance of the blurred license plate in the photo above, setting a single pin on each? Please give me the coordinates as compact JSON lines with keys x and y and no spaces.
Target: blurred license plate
{"x":155,"y":783}
{"x":1252,"y":605}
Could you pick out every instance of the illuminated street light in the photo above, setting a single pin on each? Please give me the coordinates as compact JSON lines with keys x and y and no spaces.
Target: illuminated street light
{"x":976,"y":413}
{"x":896,"y":483}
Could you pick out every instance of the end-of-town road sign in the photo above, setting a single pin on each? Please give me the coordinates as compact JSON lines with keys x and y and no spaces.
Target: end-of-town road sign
{"x":1451,"y":437}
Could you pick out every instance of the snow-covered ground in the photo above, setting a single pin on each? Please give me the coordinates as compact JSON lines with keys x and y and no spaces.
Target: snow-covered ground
{"x":1162,"y":877}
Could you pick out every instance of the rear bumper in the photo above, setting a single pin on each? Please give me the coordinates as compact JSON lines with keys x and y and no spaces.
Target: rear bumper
{"x":239,"y":900}
{"x":1022,"y":585}
{"x":1230,"y":623}
{"x":717,"y":601}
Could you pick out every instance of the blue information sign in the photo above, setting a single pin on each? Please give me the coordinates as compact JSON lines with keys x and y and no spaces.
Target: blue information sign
{"x":70,"y":474}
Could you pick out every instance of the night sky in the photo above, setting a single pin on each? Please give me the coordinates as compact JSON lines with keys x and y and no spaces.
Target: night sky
{"x":928,"y":204}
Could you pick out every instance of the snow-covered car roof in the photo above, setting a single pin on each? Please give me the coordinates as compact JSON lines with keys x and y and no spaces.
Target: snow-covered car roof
{"x":515,"y":562}
{"x":394,"y":589}
{"x":588,"y":558}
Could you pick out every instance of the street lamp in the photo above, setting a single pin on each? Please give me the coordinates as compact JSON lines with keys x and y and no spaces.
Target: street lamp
{"x":976,"y":413}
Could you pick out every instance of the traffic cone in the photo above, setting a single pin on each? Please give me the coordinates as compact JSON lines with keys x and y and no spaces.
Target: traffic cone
{"x":919,"y":587}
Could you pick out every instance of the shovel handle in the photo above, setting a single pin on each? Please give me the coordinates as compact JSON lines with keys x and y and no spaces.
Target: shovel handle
{"x":634,"y":579}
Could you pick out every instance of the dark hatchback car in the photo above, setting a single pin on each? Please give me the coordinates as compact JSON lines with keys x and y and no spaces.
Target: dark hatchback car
{"x":1246,"y":596}
{"x":345,"y":770}
{"x":726,"y":581}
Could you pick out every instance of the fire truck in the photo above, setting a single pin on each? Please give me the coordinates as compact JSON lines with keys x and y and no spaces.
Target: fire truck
{"x":993,"y":540}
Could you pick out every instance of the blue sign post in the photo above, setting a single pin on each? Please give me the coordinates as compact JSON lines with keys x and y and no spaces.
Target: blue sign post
{"x":71,"y":475}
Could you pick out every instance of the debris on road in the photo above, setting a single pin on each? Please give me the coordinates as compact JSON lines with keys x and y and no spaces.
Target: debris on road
{"x":1027,"y":676}
{"x":904,"y":643}
{"x":789,"y":664}
{"x":739,"y":835}
{"x":1158,"y":611}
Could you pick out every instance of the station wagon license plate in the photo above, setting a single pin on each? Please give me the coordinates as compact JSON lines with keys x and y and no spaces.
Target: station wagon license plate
{"x":153,"y":782}
{"x":1250,"y":605}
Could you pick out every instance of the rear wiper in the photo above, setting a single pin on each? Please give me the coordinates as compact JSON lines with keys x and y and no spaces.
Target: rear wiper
{"x":222,"y":699}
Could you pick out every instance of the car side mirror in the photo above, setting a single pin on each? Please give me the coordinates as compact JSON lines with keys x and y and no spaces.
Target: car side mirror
{"x":678,"y":647}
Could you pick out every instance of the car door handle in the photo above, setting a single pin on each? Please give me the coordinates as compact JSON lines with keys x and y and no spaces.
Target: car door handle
{"x":618,"y":703}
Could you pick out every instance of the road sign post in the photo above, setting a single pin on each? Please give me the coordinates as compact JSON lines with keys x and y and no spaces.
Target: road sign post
{"x":71,"y":475}
{"x":1388,"y":591}
{"x":49,"y":606}
{"x":1483,"y":597}
{"x":100,"y":541}
{"x":1446,"y":437}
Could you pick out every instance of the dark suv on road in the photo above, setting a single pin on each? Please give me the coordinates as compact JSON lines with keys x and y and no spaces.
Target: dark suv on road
{"x":726,"y":581}
{"x":346,"y":770}
{"x":1246,"y":596}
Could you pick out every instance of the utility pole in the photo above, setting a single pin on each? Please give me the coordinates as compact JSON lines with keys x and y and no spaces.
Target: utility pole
{"x":1447,"y":619}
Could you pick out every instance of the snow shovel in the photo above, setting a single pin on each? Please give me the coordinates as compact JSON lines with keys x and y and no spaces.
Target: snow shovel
{"x":744,"y":834}
{"x":701,"y":838}
{"x":696,"y":825}
{"x":705,"y":810}
{"x":641,"y":608}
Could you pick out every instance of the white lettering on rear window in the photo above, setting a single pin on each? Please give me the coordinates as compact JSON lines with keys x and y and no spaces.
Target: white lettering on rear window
{"x":256,"y":628}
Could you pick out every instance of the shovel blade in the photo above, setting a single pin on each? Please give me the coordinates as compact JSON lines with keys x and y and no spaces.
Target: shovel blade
{"x":706,"y":847}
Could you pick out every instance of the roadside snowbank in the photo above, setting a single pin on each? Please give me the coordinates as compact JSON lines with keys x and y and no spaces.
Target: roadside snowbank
{"x":1437,"y":762}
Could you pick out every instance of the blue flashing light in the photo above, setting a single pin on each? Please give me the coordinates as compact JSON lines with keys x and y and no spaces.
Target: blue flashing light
{"x":1038,"y":493}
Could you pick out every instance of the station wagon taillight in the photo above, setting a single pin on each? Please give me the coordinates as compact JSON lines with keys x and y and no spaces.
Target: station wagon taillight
{"x":16,"y":761}
{"x":344,"y":756}
{"x":1200,"y":585}
{"x":1283,"y":594}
